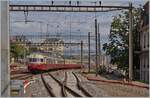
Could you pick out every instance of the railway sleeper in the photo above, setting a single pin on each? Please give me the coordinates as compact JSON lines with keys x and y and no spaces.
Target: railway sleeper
{"x":64,"y":94}
{"x":80,"y":87}
{"x":62,"y":84}
{"x":48,"y":87}
{"x":73,"y":92}
{"x":65,"y":86}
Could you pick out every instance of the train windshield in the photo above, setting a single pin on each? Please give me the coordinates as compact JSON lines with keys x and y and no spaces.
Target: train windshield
{"x":36,"y":60}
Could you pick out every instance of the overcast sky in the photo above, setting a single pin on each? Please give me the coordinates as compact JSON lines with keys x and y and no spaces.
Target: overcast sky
{"x":63,"y":22}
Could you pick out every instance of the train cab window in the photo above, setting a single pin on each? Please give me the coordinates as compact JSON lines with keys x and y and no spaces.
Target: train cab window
{"x":34,"y":59}
{"x":42,"y":60}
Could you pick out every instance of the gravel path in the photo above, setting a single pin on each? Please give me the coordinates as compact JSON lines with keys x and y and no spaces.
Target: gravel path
{"x":117,"y":90}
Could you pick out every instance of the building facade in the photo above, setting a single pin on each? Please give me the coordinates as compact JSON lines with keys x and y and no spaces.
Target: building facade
{"x":144,"y":44}
{"x":53,"y":46}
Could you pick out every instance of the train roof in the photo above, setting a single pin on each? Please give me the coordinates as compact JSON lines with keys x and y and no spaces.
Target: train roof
{"x":36,"y":55}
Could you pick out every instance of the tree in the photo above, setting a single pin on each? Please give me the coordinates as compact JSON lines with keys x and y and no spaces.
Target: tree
{"x":117,"y":47}
{"x":17,"y":51}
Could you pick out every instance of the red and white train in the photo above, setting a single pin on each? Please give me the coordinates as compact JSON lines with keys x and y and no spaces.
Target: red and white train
{"x":40,"y":63}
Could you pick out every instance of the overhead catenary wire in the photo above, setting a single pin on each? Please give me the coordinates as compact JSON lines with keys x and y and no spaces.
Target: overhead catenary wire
{"x":72,"y":36}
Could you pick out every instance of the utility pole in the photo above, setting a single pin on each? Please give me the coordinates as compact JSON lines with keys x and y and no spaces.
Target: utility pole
{"x":47,"y":32}
{"x":89,"y":59}
{"x":96,"y":46}
{"x":81,"y":58}
{"x":130,"y":44}
{"x":47,"y":28}
{"x":99,"y":47}
{"x":64,"y":55}
{"x":24,"y":52}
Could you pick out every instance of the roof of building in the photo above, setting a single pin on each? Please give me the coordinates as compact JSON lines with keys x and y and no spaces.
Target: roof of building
{"x":52,"y":40}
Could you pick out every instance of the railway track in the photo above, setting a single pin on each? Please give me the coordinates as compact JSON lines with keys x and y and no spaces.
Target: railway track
{"x":20,"y":71}
{"x":78,"y":84}
{"x":47,"y":86}
{"x":64,"y":88}
{"x":21,"y":76}
{"x":60,"y":88}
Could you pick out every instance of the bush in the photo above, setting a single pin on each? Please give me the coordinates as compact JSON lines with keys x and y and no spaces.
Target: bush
{"x":102,"y":70}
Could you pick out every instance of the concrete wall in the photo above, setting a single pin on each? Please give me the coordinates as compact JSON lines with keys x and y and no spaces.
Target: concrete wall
{"x":4,"y":45}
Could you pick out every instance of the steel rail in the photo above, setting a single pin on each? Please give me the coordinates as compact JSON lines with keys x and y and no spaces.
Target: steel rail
{"x":48,"y":87}
{"x":66,"y":87}
{"x":64,"y":94}
{"x":80,"y":87}
{"x":63,"y":86}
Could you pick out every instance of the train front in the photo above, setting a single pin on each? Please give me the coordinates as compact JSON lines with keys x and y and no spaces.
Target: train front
{"x":36,"y":62}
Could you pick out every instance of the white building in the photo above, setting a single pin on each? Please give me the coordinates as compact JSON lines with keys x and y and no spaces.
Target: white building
{"x":53,"y":45}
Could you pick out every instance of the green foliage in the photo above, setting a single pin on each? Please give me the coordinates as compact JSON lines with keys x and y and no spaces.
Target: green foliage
{"x":17,"y":51}
{"x":102,"y":70}
{"x":117,"y":47}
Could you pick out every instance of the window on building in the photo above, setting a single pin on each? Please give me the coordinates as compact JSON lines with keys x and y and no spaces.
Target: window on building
{"x":144,"y":75}
{"x":146,"y":19}
{"x":148,"y":39}
{"x":147,"y":62}
{"x":147,"y":77}
{"x":50,"y":49}
{"x":144,"y":62}
{"x":144,"y":40}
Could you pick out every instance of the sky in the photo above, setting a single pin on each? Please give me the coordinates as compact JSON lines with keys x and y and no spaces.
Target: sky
{"x":64,"y":23}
